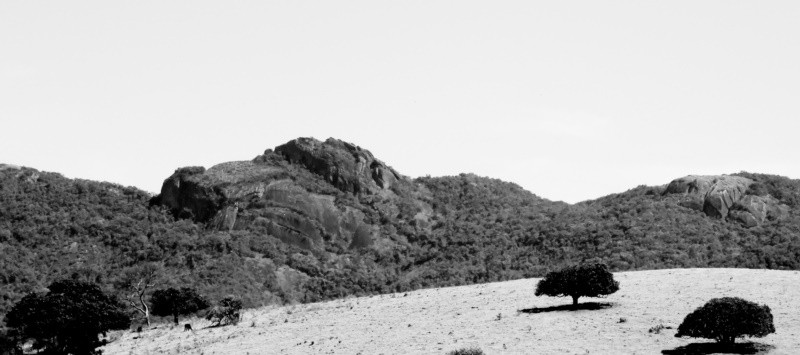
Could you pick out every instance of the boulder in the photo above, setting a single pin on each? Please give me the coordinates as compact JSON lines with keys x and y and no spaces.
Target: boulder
{"x":692,"y":184}
{"x":721,"y":196}
{"x":753,"y":210}
{"x":744,"y":218}
{"x":718,"y":192}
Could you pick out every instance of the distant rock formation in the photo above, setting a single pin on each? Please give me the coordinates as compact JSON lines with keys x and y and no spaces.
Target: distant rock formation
{"x":753,"y":210}
{"x":346,"y":166}
{"x":725,"y":196}
{"x":308,"y":193}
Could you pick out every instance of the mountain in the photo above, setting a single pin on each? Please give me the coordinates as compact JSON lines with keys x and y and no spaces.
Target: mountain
{"x":311,"y":220}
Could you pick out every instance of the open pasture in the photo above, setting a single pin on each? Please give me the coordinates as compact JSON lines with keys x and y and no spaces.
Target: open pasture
{"x":491,"y":317}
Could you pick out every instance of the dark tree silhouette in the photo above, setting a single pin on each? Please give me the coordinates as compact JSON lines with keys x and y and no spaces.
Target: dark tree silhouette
{"x":589,"y":280}
{"x":67,"y":319}
{"x":8,"y":343}
{"x":725,"y":319}
{"x":175,"y":302}
{"x":227,"y":312}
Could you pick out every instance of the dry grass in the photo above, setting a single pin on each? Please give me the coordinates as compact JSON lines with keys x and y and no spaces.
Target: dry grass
{"x":488,"y":316}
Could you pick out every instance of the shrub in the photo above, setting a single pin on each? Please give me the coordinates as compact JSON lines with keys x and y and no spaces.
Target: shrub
{"x":589,"y":280}
{"x":67,"y":319}
{"x":174,"y":302}
{"x":466,"y":351}
{"x":226,"y":312}
{"x":725,"y":319}
{"x":657,"y":329}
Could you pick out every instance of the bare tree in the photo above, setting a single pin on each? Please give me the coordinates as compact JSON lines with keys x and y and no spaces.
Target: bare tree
{"x":137,"y":281}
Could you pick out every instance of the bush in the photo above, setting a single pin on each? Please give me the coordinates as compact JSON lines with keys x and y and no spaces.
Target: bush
{"x":725,"y":319}
{"x":174,"y":302}
{"x":589,"y":280}
{"x":466,"y":351}
{"x":68,"y":319}
{"x":227,"y":312}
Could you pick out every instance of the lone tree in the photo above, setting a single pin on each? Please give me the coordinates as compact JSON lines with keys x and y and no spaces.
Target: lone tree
{"x":67,"y":319}
{"x":590,"y":280}
{"x":725,"y":319}
{"x":174,"y":302}
{"x":227,"y":312}
{"x":137,"y":281}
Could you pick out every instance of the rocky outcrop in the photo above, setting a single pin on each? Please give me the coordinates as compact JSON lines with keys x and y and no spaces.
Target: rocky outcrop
{"x":724,"y":196}
{"x":753,"y":210}
{"x":346,"y":166}
{"x":692,"y":184}
{"x":723,"y":193}
{"x":186,"y":197}
{"x":311,"y":194}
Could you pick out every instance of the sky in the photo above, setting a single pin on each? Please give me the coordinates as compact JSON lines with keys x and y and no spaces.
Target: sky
{"x":572,"y":100}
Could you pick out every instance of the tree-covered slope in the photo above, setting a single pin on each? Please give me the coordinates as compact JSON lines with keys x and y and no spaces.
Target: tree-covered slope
{"x":313,"y":220}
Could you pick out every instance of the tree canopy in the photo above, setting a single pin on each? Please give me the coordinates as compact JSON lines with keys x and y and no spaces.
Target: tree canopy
{"x":725,"y":319}
{"x":67,"y":319}
{"x":226,"y":312}
{"x":589,"y":280}
{"x":175,"y":302}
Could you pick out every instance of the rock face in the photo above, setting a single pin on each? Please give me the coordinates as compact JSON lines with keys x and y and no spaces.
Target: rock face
{"x":723,"y":193}
{"x":724,"y":196}
{"x":187,"y":197}
{"x":348,"y":167}
{"x":753,"y":210}
{"x":311,"y":194}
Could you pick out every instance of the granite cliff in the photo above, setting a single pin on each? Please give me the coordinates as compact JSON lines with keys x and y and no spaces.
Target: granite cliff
{"x":329,"y":195}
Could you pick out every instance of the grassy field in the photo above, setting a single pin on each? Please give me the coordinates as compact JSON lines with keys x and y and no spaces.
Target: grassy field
{"x":491,"y":317}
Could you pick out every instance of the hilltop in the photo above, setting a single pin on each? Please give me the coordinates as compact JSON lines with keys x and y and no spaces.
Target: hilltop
{"x":435,"y":321}
{"x":315,"y":220}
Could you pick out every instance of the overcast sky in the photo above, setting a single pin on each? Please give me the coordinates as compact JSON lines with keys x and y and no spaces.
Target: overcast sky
{"x":572,"y":100}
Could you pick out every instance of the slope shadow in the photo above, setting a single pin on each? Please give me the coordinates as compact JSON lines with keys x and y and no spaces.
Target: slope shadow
{"x":588,"y":306}
{"x":715,"y":348}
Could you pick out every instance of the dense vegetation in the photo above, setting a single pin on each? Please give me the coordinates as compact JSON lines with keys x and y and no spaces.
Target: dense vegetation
{"x":53,"y":228}
{"x":725,"y":319}
{"x":582,"y":280}
{"x":66,"y":320}
{"x":177,"y":302}
{"x":481,"y":230}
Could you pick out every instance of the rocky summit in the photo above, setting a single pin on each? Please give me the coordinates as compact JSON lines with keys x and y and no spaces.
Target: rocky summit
{"x":312,"y":194}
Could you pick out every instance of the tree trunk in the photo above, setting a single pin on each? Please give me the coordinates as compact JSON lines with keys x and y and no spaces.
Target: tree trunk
{"x":175,"y":318}
{"x":145,"y":308}
{"x":575,"y":300}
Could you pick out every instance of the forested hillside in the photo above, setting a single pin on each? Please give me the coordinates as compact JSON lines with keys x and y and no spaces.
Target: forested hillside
{"x":315,"y":220}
